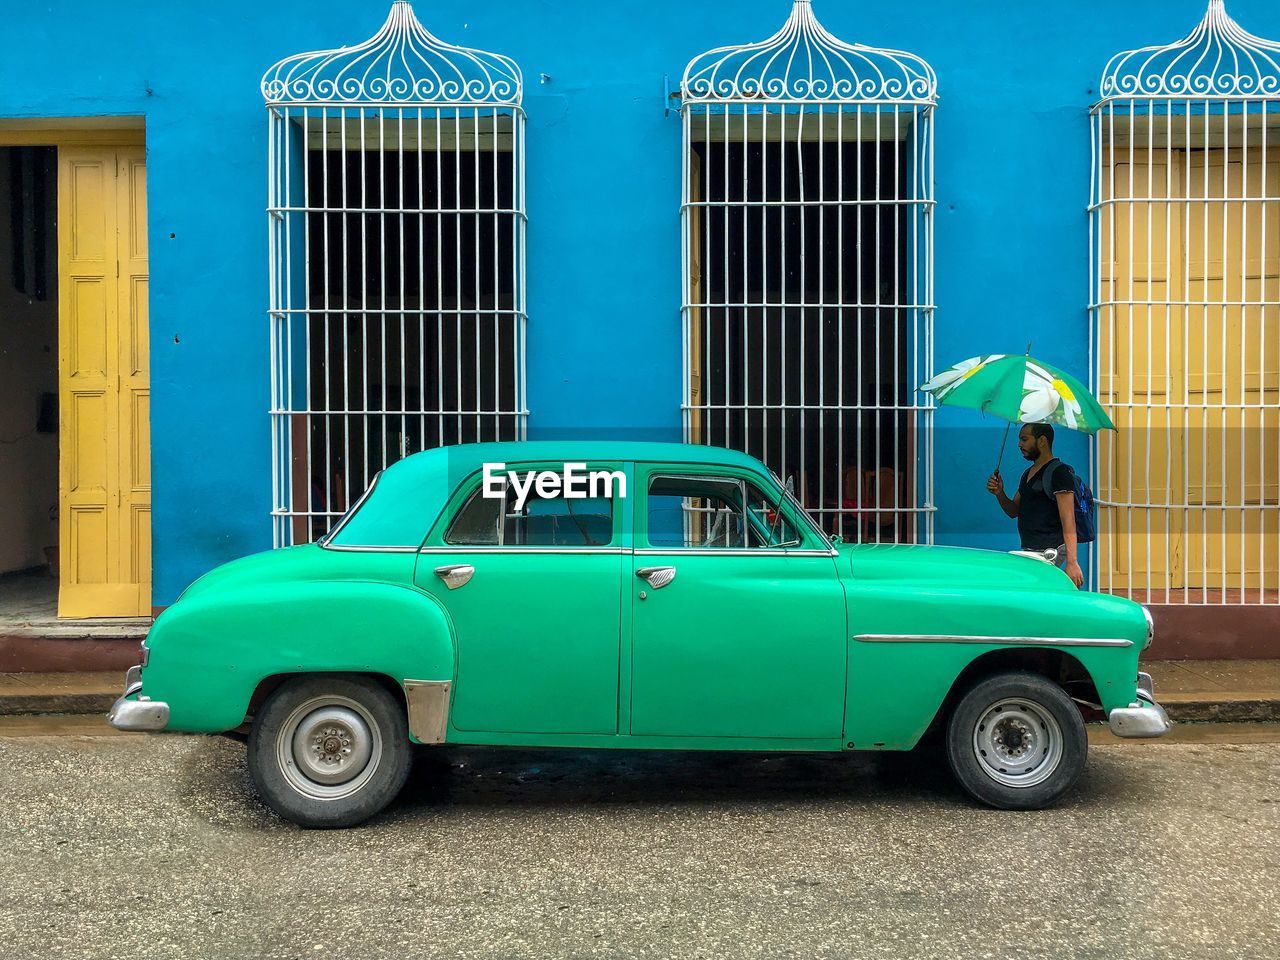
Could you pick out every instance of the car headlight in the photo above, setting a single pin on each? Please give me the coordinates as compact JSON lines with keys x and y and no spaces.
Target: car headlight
{"x":1151,"y":627}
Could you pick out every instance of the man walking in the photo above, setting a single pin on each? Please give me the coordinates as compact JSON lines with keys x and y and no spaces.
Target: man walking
{"x":1045,"y":502}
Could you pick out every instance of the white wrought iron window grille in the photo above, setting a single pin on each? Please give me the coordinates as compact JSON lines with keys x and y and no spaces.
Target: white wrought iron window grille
{"x":396,"y":211}
{"x":1185,"y":305}
{"x":807,"y":249}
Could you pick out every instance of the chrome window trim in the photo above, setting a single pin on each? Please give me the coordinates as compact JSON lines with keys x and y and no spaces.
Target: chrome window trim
{"x":352,"y":548}
{"x":615,"y":533}
{"x":805,"y":519}
{"x":730,"y":552}
{"x":518,"y":550}
{"x":1019,"y":641}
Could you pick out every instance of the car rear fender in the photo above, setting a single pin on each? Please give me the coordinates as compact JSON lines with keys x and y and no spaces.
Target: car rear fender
{"x":209,"y":653}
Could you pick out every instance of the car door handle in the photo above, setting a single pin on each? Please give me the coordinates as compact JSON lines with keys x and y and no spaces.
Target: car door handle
{"x":656,"y":577}
{"x":455,"y":575}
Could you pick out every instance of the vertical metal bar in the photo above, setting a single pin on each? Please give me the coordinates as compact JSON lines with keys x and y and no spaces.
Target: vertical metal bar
{"x":838,"y":516}
{"x":764,"y":270}
{"x":273,"y":305}
{"x":1241,"y":416}
{"x":402,"y":308}
{"x":423,"y":440}
{"x":747,"y":307}
{"x":860,"y":325}
{"x":1168,"y":422}
{"x":1222,"y":402}
{"x":897,"y":320}
{"x":878,"y":412}
{"x":439,"y":278}
{"x":382,"y":279}
{"x":323,"y":209}
{"x":724,"y":280}
{"x":1129,"y":311}
{"x":457,"y":288}
{"x":806,"y":473}
{"x":1149,"y":203}
{"x":687,"y":412}
{"x":365,"y":418}
{"x":345,"y":215}
{"x":1204,"y":375}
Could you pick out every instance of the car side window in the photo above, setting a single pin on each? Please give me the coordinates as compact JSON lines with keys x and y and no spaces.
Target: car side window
{"x":477,"y":523}
{"x":687,"y":512}
{"x":536,"y":522}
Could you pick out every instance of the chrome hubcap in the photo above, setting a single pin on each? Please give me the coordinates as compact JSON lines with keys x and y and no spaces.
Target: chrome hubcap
{"x":328,"y":747}
{"x":1018,"y":743}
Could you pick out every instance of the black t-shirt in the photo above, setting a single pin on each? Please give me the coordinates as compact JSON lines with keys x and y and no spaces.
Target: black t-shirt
{"x":1039,"y":524}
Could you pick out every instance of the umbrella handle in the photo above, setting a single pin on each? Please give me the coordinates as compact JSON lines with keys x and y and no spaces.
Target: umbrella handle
{"x":1003,"y":443}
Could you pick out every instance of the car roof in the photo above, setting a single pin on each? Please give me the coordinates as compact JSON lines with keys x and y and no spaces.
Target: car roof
{"x":463,"y":459}
{"x":409,"y":495}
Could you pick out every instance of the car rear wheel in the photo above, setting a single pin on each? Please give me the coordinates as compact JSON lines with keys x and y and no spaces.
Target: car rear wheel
{"x":329,"y":751}
{"x":1016,"y":741}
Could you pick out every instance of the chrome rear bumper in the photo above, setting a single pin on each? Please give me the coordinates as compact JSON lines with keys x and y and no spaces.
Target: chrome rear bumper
{"x":141,"y":713}
{"x":1144,"y":718}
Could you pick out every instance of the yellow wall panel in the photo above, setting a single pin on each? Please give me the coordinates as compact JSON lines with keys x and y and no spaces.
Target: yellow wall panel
{"x":88,"y":528}
{"x":87,"y":325}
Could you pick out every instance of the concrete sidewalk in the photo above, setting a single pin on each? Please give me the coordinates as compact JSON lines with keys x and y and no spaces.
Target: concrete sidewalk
{"x":1220,"y":691}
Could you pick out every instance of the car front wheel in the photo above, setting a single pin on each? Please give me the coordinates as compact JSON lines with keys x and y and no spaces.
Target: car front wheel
{"x":1016,"y":741}
{"x":329,"y":751}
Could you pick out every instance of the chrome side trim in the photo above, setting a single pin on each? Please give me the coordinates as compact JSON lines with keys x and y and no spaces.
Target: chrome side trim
{"x":428,"y":702}
{"x":484,"y":549}
{"x":348,"y":548}
{"x":730,"y":552}
{"x":1019,"y":641}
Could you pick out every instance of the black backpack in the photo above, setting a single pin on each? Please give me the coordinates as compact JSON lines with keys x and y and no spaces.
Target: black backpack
{"x":1086,"y":507}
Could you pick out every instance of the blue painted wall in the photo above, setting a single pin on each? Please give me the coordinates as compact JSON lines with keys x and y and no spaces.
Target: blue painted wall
{"x":1015,"y":83}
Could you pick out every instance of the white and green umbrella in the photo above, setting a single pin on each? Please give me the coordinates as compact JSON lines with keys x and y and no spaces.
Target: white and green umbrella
{"x":1019,"y":389}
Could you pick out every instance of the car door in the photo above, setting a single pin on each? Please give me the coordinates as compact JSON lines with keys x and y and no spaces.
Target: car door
{"x":534,"y":593}
{"x":738,"y":614}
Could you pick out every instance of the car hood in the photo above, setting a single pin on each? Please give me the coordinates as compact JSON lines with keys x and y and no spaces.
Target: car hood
{"x":952,"y":566}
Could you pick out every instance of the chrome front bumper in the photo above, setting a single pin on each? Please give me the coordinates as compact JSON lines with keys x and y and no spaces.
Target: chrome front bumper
{"x":141,"y":713}
{"x":1144,"y":718}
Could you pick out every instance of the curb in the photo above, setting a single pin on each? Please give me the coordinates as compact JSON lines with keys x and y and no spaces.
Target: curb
{"x":1256,"y":710}
{"x":25,"y":704}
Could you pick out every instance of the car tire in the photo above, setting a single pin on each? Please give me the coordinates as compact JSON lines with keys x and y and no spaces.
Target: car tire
{"x":329,"y":751}
{"x":1016,"y":741}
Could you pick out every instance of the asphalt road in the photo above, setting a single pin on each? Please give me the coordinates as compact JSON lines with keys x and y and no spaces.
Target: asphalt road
{"x":156,"y":847}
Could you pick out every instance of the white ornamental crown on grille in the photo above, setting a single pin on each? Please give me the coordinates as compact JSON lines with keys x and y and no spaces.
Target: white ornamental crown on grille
{"x":402,"y":64}
{"x":804,"y":62}
{"x":1217,"y":59}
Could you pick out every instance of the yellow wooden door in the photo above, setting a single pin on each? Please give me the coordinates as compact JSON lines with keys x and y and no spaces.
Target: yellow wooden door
{"x":104,"y":474}
{"x":1140,"y":364}
{"x":1188,"y":353}
{"x":1233,"y":265}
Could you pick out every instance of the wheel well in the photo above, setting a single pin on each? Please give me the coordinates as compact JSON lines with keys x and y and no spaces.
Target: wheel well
{"x":1056,"y":665}
{"x":269,"y":685}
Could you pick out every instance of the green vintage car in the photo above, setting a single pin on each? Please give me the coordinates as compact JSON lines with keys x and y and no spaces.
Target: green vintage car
{"x":629,"y":595}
